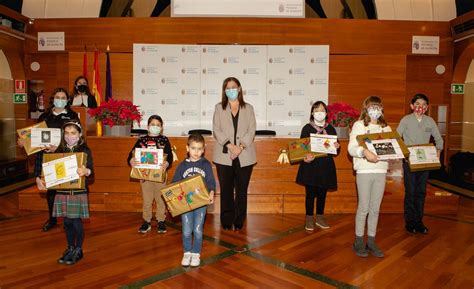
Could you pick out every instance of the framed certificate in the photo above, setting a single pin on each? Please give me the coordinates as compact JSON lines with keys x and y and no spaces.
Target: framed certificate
{"x":25,"y":134}
{"x":60,"y":171}
{"x":386,"y":145}
{"x":323,"y":143}
{"x":423,"y":158}
{"x":45,"y":136}
{"x":148,"y":158}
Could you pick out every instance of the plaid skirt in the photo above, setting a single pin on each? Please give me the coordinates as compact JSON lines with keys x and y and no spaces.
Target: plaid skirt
{"x":71,"y":206}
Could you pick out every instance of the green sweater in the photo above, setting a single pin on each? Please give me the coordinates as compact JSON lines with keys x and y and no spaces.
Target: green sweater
{"x":416,"y":132}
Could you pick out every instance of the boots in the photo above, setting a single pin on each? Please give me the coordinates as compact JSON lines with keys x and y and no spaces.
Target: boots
{"x":373,"y":248}
{"x":321,"y":222}
{"x":66,"y":255}
{"x":309,"y":223}
{"x":359,"y":247}
{"x":75,"y":256}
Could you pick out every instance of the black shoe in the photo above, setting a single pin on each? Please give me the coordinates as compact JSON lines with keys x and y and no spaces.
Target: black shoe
{"x":161,"y":227}
{"x":411,"y":229}
{"x":226,"y":227}
{"x":66,"y":255}
{"x":48,"y":226}
{"x":144,"y":228}
{"x":421,"y":229}
{"x":75,"y":256}
{"x":237,"y":228}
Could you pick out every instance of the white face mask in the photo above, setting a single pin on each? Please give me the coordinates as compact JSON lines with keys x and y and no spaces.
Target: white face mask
{"x":374,"y":113}
{"x":319,"y":116}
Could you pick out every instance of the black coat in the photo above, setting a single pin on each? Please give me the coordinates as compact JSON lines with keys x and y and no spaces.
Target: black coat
{"x":321,"y":172}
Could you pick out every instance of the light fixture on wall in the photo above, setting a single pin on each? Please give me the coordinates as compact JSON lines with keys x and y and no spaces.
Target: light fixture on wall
{"x":35,"y":66}
{"x":440,"y":69}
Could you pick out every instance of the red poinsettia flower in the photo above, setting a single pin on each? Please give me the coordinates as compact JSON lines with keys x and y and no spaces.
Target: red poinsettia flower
{"x":342,"y":114}
{"x":116,"y":112}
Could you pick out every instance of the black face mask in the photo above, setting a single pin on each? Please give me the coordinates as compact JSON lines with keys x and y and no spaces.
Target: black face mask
{"x":82,"y":88}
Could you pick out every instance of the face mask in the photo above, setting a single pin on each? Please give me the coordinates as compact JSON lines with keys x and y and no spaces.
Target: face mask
{"x":60,"y":103}
{"x":319,"y":116}
{"x":82,"y":88}
{"x":154,"y":129}
{"x":420,"y":110}
{"x":232,"y":93}
{"x":71,"y":140}
{"x":374,"y":113}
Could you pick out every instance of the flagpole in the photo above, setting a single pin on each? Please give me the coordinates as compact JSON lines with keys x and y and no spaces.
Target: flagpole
{"x":97,"y":89}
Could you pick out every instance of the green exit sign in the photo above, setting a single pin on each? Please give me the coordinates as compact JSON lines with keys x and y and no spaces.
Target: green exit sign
{"x":457,"y":88}
{"x":19,"y":98}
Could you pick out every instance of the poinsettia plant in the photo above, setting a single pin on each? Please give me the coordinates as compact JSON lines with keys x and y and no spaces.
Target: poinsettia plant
{"x":342,"y":114}
{"x":116,"y":112}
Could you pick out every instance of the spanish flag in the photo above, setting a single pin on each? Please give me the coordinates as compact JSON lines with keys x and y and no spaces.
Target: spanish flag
{"x":96,"y":88}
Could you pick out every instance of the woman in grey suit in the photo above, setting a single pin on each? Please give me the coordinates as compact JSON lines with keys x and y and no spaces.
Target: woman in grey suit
{"x":234,"y":128}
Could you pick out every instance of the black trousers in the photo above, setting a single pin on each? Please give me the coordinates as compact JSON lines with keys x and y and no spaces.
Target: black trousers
{"x":319,"y":193}
{"x":234,"y":182}
{"x":50,"y":195}
{"x":415,"y":192}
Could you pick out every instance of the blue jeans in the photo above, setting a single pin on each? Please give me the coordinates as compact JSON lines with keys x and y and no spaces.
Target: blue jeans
{"x":193,"y":222}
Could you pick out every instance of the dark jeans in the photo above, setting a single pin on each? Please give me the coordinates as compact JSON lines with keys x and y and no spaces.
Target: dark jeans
{"x":415,"y":191}
{"x":320,"y":195}
{"x":233,"y":181}
{"x":50,"y":195}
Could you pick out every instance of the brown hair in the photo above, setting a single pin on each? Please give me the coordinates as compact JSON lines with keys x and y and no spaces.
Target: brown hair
{"x":51,"y":99}
{"x":71,"y":123}
{"x":196,"y":137}
{"x":365,"y":116}
{"x":240,"y":96}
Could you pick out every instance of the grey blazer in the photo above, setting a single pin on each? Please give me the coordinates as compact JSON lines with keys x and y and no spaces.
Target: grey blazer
{"x":223,"y":130}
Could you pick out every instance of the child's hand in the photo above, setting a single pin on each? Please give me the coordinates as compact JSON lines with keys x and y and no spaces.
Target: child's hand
{"x":370,"y":156}
{"x":83,"y":171}
{"x":20,"y":142}
{"x":211,"y":197}
{"x":50,"y":148}
{"x":438,"y":154}
{"x":337,"y":145}
{"x":41,"y":184}
{"x":165,"y":165}
{"x":308,"y":158}
{"x":133,"y":162}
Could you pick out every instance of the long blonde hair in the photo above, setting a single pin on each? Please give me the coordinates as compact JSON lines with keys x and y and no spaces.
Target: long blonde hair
{"x":364,"y":114}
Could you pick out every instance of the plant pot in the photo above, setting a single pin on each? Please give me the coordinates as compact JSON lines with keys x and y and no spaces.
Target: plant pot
{"x":342,"y":132}
{"x":117,"y":130}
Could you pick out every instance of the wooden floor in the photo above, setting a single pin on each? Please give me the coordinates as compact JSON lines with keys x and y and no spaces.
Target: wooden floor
{"x":273,"y":251}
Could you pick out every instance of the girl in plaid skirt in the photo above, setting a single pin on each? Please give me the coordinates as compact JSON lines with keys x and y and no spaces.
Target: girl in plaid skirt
{"x":73,"y":205}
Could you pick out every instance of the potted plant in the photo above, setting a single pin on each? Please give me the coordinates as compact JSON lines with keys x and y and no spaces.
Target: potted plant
{"x":342,"y":116}
{"x":117,"y":116}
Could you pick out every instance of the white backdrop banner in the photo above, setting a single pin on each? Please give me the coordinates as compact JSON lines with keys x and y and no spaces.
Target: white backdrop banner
{"x":183,"y":83}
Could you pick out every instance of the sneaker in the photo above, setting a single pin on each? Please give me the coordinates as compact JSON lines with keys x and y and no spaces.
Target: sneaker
{"x":48,"y":226}
{"x":186,"y":261}
{"x":144,"y":228}
{"x":75,"y":256}
{"x":321,"y":222}
{"x":66,"y":255}
{"x":161,"y":227}
{"x":195,"y":259}
{"x":309,"y":223}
